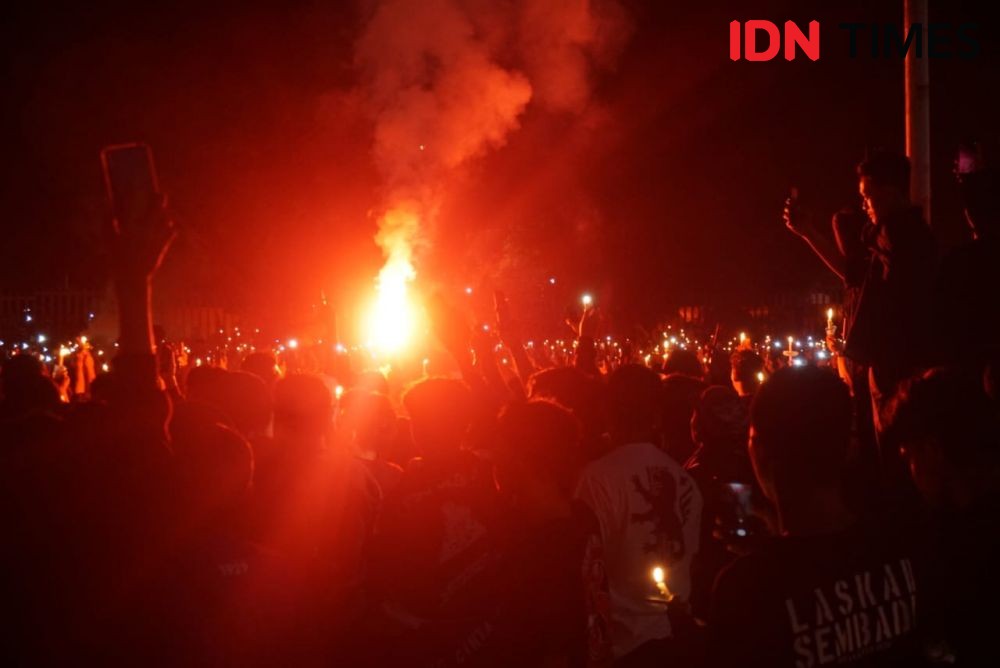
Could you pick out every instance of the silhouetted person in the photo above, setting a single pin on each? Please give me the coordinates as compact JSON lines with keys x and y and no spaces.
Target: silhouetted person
{"x":232,"y":600}
{"x":242,"y":397}
{"x":264,"y":365}
{"x":205,"y":384}
{"x":580,"y":393}
{"x":721,"y":428}
{"x":888,"y":278}
{"x":314,"y":504}
{"x":747,"y":371}
{"x":680,"y":396}
{"x":683,"y":362}
{"x":848,"y":230}
{"x":891,"y":332}
{"x":367,"y":425}
{"x":551,"y":590}
{"x":438,"y":537}
{"x":649,"y":512}
{"x":119,"y":521}
{"x":26,"y":389}
{"x":832,"y":588}
{"x":966,"y":316}
{"x":949,"y":431}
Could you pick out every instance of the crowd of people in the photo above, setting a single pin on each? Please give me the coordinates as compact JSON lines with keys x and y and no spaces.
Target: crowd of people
{"x":573,"y":515}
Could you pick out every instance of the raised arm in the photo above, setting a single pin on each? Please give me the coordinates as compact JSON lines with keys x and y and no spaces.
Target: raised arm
{"x":137,"y":250}
{"x":802,"y":226}
{"x":139,"y":408}
{"x":510,"y":335}
{"x":586,"y":342}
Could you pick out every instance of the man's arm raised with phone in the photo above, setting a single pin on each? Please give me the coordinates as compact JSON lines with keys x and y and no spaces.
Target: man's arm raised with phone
{"x":801,"y":224}
{"x":137,"y":251}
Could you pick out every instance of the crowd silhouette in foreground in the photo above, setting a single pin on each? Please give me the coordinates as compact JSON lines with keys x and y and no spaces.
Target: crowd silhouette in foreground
{"x":574,"y":517}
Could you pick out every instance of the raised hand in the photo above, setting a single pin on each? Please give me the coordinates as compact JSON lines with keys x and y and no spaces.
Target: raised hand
{"x":506,"y":327}
{"x":796,"y":220}
{"x":139,"y":244}
{"x":590,"y":321}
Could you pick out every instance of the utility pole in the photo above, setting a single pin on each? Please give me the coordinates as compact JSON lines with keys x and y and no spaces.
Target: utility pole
{"x":918,"y":108}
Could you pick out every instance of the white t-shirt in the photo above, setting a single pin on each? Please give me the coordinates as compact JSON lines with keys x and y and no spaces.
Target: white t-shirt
{"x":649,"y":510}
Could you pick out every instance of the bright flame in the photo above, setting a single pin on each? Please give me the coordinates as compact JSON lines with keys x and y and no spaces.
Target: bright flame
{"x":392,"y":320}
{"x":660,"y":580}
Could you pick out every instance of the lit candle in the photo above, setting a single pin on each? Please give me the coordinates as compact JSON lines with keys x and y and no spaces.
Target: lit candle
{"x":791,"y":352}
{"x":829,"y":318}
{"x":660,"y":580}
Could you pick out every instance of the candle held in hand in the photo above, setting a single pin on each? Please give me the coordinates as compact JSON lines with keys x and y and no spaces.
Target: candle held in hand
{"x":660,"y":580}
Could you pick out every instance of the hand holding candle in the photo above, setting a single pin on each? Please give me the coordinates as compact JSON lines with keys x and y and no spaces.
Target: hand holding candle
{"x":660,"y":580}
{"x":791,"y":352}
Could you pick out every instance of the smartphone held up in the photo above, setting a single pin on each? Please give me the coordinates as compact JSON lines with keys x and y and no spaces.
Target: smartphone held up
{"x":130,"y":182}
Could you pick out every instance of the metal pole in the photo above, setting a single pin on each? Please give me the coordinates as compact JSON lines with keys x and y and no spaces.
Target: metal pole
{"x":918,"y":108}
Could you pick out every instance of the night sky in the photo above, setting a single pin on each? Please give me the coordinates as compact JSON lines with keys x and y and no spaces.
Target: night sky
{"x":667,"y":188}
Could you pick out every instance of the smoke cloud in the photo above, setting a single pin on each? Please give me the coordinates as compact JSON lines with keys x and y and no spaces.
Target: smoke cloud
{"x":445,"y":81}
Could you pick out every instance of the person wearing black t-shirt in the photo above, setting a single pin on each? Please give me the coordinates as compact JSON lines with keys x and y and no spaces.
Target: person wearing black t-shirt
{"x":437,"y":542}
{"x":553,"y":601}
{"x":830,"y":589}
{"x":948,"y":430}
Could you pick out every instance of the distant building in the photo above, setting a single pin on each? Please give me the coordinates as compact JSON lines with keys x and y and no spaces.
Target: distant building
{"x":61,"y":313}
